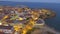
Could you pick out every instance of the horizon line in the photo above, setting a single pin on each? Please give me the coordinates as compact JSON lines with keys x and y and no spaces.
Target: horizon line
{"x":33,"y":2}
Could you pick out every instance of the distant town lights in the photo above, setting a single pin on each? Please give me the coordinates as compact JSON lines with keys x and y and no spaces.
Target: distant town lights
{"x":20,"y":18}
{"x":0,"y":23}
{"x":1,"y":9}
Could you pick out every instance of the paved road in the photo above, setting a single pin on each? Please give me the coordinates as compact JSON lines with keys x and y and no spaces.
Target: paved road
{"x":45,"y":30}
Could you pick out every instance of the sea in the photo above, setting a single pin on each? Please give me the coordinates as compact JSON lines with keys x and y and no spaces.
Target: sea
{"x":51,"y":22}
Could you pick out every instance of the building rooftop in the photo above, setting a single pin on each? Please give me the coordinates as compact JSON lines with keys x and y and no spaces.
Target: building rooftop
{"x":39,"y":21}
{"x":5,"y":27}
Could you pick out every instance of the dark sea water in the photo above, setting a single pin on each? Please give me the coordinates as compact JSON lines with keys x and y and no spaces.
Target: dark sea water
{"x":52,"y":22}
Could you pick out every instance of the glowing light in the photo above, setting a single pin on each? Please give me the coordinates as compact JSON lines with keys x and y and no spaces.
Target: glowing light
{"x":0,"y":23}
{"x":20,"y":18}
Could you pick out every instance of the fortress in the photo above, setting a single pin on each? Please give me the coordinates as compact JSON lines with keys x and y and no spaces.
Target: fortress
{"x":23,"y":19}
